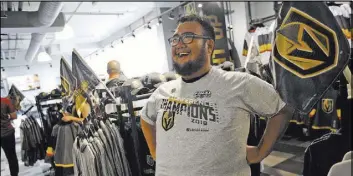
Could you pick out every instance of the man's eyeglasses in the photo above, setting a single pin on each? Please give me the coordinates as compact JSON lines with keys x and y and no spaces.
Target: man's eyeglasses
{"x":186,"y":39}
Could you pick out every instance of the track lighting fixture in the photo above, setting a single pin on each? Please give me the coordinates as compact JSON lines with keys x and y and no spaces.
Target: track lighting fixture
{"x":159,"y":20}
{"x":132,"y":34}
{"x":50,"y":65}
{"x":149,"y":26}
{"x":171,"y":15}
{"x":122,"y":41}
{"x":27,"y":67}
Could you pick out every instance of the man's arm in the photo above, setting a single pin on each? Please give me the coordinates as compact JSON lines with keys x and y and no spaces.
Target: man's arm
{"x":262,"y":99}
{"x":13,"y":115}
{"x":275,"y":129}
{"x":11,"y":110}
{"x":149,"y":131}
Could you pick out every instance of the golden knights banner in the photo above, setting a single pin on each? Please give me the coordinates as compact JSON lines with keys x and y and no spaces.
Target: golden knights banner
{"x":214,"y":11}
{"x":68,"y":81}
{"x":15,"y":94}
{"x":310,"y":51}
{"x":86,"y":81}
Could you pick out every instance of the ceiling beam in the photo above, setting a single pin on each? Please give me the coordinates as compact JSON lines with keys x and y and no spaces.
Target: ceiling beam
{"x":93,"y":13}
{"x":22,"y":22}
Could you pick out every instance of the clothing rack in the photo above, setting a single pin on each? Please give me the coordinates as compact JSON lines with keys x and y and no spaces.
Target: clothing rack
{"x":127,"y":98}
{"x":42,"y":103}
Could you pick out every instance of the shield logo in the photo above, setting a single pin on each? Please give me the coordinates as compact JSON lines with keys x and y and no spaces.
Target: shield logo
{"x":305,"y":46}
{"x":168,"y":120}
{"x":149,"y":160}
{"x":327,"y":105}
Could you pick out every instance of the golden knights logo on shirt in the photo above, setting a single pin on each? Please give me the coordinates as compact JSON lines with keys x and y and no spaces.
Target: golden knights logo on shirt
{"x":304,"y":46}
{"x":168,"y":120}
{"x":327,"y":105}
{"x":198,"y":112}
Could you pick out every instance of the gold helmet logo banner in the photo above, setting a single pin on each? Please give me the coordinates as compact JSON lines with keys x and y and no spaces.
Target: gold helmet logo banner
{"x":305,"y":46}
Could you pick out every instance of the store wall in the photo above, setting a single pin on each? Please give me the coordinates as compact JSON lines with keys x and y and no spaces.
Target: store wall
{"x":138,"y":55}
{"x":239,"y":21}
{"x":168,"y":30}
{"x":261,"y":9}
{"x":49,"y":76}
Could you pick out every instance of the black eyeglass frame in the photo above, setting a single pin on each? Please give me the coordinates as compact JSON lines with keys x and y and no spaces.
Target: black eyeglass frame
{"x":183,"y":37}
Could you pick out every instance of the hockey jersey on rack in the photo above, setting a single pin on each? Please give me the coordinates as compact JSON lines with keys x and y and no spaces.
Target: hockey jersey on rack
{"x":343,"y":14}
{"x":263,"y":45}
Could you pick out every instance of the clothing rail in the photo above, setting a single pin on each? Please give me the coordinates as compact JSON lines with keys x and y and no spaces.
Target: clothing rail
{"x":263,"y":20}
{"x":127,"y":98}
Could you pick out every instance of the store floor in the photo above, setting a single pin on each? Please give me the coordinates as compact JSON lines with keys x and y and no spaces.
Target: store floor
{"x":37,"y":170}
{"x":286,"y":160}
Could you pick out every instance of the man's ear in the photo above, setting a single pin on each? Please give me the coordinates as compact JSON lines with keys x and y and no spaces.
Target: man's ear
{"x":210,"y":46}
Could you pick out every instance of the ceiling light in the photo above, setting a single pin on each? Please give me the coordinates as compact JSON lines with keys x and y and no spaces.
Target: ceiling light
{"x":122,"y":41}
{"x":199,"y":6}
{"x":50,"y":65}
{"x":27,"y":67}
{"x":66,"y":33}
{"x":43,"y":56}
{"x":133,"y":34}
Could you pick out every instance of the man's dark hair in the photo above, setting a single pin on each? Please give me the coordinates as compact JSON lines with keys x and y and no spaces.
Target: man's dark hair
{"x":204,"y":22}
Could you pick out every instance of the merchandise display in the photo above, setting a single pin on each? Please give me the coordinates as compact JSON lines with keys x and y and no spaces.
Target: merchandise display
{"x":133,"y":97}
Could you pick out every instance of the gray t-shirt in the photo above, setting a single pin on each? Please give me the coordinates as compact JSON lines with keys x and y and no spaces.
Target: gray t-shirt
{"x":202,"y":127}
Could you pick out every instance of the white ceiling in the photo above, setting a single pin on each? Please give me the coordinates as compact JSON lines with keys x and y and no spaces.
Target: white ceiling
{"x":87,"y":29}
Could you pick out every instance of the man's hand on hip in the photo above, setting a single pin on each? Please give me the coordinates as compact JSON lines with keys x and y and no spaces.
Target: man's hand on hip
{"x":253,"y":154}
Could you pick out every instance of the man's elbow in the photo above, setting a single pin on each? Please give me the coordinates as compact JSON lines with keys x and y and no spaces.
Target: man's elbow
{"x":286,"y":112}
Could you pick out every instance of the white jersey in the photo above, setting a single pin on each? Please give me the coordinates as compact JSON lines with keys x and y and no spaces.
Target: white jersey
{"x":202,"y":127}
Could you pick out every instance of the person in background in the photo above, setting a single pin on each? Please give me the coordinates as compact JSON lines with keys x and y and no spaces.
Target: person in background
{"x":9,"y":108}
{"x":116,"y":78}
{"x":198,"y":124}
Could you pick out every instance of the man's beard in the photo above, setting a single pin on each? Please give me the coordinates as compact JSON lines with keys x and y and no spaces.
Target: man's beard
{"x":191,"y":67}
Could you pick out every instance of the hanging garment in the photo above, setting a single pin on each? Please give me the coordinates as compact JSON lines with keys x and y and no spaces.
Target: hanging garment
{"x":326,"y":114}
{"x":32,"y":147}
{"x":323,"y":153}
{"x":100,"y":152}
{"x":63,"y":136}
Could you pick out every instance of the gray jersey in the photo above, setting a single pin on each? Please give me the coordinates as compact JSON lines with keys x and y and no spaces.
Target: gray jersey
{"x":202,"y":127}
{"x":65,"y":136}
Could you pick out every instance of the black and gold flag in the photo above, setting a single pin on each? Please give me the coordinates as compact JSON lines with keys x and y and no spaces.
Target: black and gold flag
{"x":309,"y":53}
{"x":214,"y":12}
{"x":87,"y":80}
{"x":68,"y":81}
{"x":15,"y":96}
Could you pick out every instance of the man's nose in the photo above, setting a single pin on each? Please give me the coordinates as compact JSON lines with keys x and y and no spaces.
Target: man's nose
{"x":180,"y":44}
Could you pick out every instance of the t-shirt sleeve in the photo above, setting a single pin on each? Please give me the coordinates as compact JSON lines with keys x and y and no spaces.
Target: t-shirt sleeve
{"x":149,"y":111}
{"x":9,"y":107}
{"x":260,"y":97}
